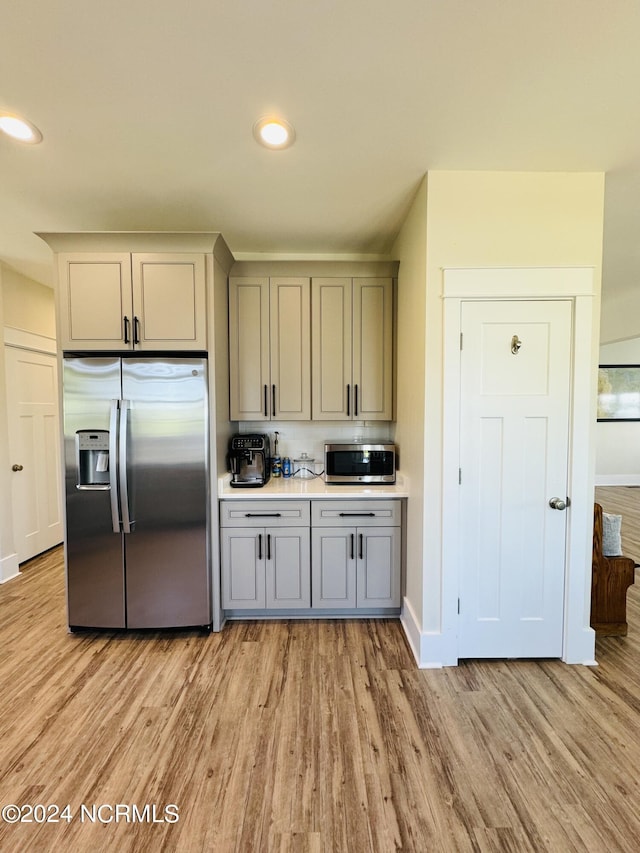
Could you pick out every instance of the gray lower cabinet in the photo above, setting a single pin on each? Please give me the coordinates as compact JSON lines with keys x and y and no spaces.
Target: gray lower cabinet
{"x":356,"y":548}
{"x":356,"y":567}
{"x":265,"y":555}
{"x":265,"y":568}
{"x":349,"y":559}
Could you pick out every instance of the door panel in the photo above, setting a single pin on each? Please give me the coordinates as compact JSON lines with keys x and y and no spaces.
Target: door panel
{"x":169,"y":300}
{"x":373,"y":348}
{"x":378,"y":567}
{"x":288,"y":567}
{"x":249,"y":348}
{"x":290,"y":321}
{"x":32,"y":407}
{"x":95,"y":296}
{"x":243,"y":571}
{"x":514,"y":451}
{"x":334,"y":567}
{"x":331,"y":347}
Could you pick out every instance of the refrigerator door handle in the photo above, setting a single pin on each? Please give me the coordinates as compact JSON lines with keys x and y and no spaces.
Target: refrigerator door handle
{"x":113,"y":475}
{"x":122,"y":465}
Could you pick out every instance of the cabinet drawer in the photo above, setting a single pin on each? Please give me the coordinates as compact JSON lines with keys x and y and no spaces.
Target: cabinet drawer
{"x":357,"y":513}
{"x":264,"y":513}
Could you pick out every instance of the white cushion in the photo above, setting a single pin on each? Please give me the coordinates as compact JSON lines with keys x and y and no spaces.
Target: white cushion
{"x":611,"y":541}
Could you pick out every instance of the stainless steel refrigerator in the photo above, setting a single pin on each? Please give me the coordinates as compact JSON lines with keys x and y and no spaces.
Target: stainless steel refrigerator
{"x":136,"y":458}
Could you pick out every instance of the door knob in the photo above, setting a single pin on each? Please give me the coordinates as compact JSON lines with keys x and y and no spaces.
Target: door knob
{"x":16,"y":467}
{"x":557,"y":503}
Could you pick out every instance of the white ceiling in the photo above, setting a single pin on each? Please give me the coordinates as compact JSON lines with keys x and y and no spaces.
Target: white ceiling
{"x":147,"y":111}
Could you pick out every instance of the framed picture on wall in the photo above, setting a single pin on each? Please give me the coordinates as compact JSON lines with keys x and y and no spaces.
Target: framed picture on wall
{"x":619,"y":392}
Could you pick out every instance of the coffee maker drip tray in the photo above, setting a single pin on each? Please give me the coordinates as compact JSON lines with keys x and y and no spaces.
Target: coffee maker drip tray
{"x":247,"y":483}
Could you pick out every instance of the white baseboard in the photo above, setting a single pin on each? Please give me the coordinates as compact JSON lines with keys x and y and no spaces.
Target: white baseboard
{"x":432,"y":650}
{"x":581,"y":648}
{"x":9,"y":568}
{"x":617,"y":480}
{"x":411,"y":628}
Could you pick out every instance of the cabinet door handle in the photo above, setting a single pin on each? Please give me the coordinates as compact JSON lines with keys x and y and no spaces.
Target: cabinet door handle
{"x":126,"y":329}
{"x":266,"y":390}
{"x":353,"y":536}
{"x":361,"y":546}
{"x":263,"y":515}
{"x":355,"y":401}
{"x":259,"y":546}
{"x":268,"y":546}
{"x":136,"y":330}
{"x":348,"y":400}
{"x":273,"y":400}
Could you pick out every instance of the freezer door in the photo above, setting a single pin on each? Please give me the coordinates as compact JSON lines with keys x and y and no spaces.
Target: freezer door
{"x":166,"y":550}
{"x":95,"y":569}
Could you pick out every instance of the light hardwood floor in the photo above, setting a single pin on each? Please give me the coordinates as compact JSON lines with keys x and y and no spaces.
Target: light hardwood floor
{"x":309,"y":736}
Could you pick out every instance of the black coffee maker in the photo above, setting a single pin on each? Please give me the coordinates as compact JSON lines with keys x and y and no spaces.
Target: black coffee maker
{"x":249,"y":460}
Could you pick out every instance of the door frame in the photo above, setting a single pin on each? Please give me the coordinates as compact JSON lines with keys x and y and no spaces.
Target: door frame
{"x":527,"y":284}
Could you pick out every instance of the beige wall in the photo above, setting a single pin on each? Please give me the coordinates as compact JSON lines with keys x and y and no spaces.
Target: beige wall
{"x":410,"y":250}
{"x":28,"y":305}
{"x":473,"y":219}
{"x":509,"y":219}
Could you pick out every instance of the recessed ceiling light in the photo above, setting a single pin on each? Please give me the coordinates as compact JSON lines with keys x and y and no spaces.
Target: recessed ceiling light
{"x":20,"y":129}
{"x":274,"y":133}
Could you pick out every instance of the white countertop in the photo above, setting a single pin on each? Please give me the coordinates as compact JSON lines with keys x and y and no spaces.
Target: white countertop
{"x":279,"y":488}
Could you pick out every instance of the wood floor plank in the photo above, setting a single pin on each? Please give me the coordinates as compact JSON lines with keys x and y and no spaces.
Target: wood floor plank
{"x":315,"y":736}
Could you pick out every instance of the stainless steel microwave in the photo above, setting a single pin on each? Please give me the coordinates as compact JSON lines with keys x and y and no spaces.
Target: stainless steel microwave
{"x":359,"y":463}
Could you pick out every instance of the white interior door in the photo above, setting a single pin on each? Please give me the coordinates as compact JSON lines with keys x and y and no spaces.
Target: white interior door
{"x":32,"y":400}
{"x":515,"y":394}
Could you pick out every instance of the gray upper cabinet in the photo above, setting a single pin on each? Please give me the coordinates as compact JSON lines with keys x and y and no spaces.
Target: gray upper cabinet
{"x":132,"y":301}
{"x":95,"y":299}
{"x":269,"y":348}
{"x":169,"y":301}
{"x":352,"y":348}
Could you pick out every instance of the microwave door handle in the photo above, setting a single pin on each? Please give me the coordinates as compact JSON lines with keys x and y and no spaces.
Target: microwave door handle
{"x":122,"y":464}
{"x":113,"y":473}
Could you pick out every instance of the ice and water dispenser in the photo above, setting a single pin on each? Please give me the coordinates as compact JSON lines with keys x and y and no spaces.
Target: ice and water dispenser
{"x":92,"y":454}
